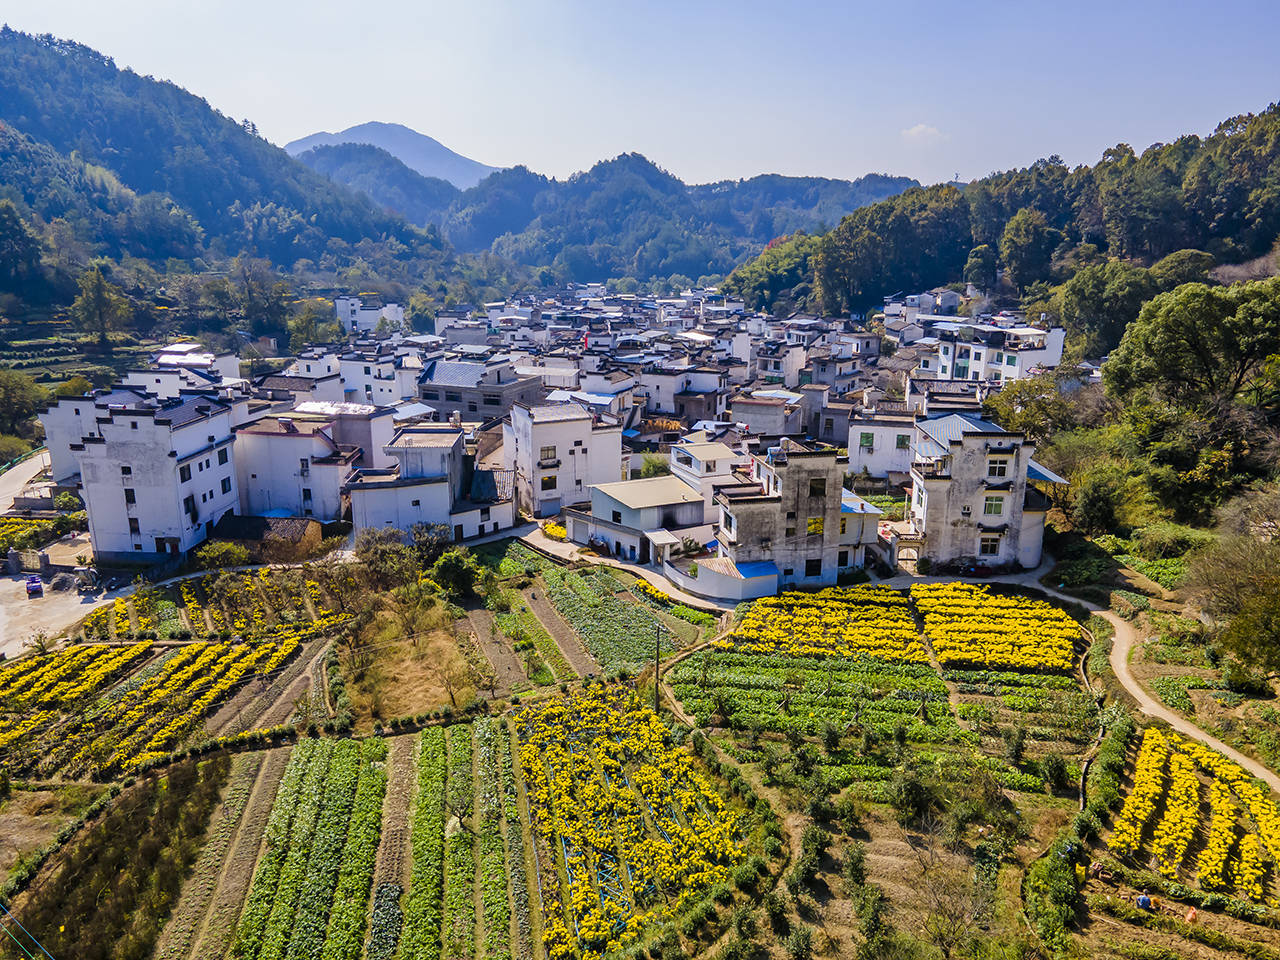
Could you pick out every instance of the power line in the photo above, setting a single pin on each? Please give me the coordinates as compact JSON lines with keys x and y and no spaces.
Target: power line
{"x":26,"y":931}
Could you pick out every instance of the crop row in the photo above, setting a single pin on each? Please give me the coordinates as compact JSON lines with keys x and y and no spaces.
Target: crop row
{"x":347,"y":918}
{"x":489,"y":737}
{"x":459,"y":859}
{"x":619,"y":633}
{"x":968,"y":625}
{"x":420,"y":937}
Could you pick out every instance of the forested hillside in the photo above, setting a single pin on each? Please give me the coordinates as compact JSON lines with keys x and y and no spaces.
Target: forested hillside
{"x":1044,"y":224}
{"x":623,"y":217}
{"x":384,"y":179}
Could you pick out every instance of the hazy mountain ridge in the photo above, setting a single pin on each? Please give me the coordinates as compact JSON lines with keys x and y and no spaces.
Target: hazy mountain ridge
{"x":423,"y":154}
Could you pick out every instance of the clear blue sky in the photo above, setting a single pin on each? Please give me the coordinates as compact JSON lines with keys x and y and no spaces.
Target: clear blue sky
{"x":709,"y":90}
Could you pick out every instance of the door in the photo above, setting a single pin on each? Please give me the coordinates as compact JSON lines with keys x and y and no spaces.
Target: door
{"x":457,"y":532}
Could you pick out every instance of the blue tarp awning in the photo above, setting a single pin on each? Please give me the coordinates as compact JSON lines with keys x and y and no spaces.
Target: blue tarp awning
{"x":758,"y":568}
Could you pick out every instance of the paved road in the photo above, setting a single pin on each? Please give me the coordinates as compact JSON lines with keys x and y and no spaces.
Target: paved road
{"x":12,"y":481}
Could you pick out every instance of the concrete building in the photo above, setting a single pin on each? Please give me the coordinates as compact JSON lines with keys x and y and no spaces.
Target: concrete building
{"x":292,"y":467}
{"x":628,"y":516}
{"x":793,"y":522}
{"x":156,"y":476}
{"x":476,"y":390}
{"x":557,"y":453}
{"x":971,"y":496}
{"x":433,"y":481}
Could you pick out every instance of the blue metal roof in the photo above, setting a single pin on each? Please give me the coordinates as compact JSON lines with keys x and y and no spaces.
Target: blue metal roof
{"x":1036,"y":471}
{"x":453,"y":373}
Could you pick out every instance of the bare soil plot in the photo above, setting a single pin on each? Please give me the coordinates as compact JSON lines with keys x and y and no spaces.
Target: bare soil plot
{"x":215,"y":934}
{"x":565,"y":636}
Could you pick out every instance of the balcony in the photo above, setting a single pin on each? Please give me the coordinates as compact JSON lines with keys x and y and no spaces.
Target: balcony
{"x":549,"y":463}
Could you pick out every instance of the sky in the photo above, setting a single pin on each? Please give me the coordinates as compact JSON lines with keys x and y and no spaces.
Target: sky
{"x":708,"y":90}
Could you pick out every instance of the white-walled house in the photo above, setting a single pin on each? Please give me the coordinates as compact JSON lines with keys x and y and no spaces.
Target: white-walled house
{"x":156,"y":477}
{"x":292,"y":467}
{"x":558,"y":452}
{"x":433,"y":481}
{"x":356,"y":317}
{"x":69,"y":420}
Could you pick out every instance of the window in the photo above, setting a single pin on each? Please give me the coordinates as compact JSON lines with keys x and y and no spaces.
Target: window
{"x":222,"y":456}
{"x":204,"y":498}
{"x":137,"y":546}
{"x":616,"y":516}
{"x":200,"y":467}
{"x":549,"y":483}
{"x":491,"y":401}
{"x":226,"y":484}
{"x":417,"y":503}
{"x":998,"y":467}
{"x":129,"y":496}
{"x":814,"y":526}
{"x":829,"y":424}
{"x":867,"y":440}
{"x":844,"y":525}
{"x":1010,"y":360}
{"x":126,"y":471}
{"x":430,"y":394}
{"x":919,"y":496}
{"x":133,"y":424}
{"x":184,"y":472}
{"x":989,"y":547}
{"x":787,"y":571}
{"x":547,"y":453}
{"x":134,"y":528}
{"x":842,"y":558}
{"x":993,"y":506}
{"x":453,"y":396}
{"x":998,"y":358}
{"x":306,"y":493}
{"x":189,"y":504}
{"x":484,"y":513}
{"x":817,"y":486}
{"x":945,"y":350}
{"x":304,"y":466}
{"x":813,"y":568}
{"x":366,"y":371}
{"x":471,"y":406}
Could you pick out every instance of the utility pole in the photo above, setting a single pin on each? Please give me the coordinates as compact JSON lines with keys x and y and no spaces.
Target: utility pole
{"x":657,"y":642}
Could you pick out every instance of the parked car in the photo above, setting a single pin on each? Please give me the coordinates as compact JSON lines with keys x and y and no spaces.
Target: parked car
{"x":35,"y":586}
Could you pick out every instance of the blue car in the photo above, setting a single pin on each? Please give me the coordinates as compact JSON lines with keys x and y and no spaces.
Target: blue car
{"x":35,"y":586}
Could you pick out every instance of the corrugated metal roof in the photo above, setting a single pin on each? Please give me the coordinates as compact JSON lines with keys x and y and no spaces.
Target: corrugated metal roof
{"x":1037,"y":471}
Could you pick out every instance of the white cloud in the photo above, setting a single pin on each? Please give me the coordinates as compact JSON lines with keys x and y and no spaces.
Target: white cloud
{"x":923,"y":135}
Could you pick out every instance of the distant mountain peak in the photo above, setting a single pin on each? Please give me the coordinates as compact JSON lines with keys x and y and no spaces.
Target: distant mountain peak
{"x":415,"y":150}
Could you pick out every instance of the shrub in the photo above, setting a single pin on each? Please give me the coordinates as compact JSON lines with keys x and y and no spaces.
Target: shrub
{"x":220,"y":554}
{"x":855,"y":866}
{"x":800,"y":943}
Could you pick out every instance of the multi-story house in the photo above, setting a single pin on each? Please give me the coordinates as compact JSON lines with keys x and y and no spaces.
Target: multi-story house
{"x":434,"y":481}
{"x":287,"y":466}
{"x":156,"y":476}
{"x":792,"y":524}
{"x":476,"y":390}
{"x":971,"y":499}
{"x":557,"y":453}
{"x":357,"y":316}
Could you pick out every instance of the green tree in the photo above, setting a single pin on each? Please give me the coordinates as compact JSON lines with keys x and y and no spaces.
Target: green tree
{"x":222,"y":555}
{"x":19,"y":250}
{"x":11,"y":448}
{"x":389,"y":561}
{"x":20,"y":397}
{"x":1200,"y":348}
{"x":1034,"y":406}
{"x":77,"y":386}
{"x":1100,"y":301}
{"x":314,"y":323}
{"x":456,"y":572}
{"x":1097,"y":498}
{"x":654,"y":465}
{"x":1183,"y":266}
{"x":101,"y":306}
{"x":980,"y":268}
{"x":1026,"y":247}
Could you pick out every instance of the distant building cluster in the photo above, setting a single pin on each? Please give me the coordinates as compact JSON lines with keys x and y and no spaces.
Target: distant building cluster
{"x":545,"y":407}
